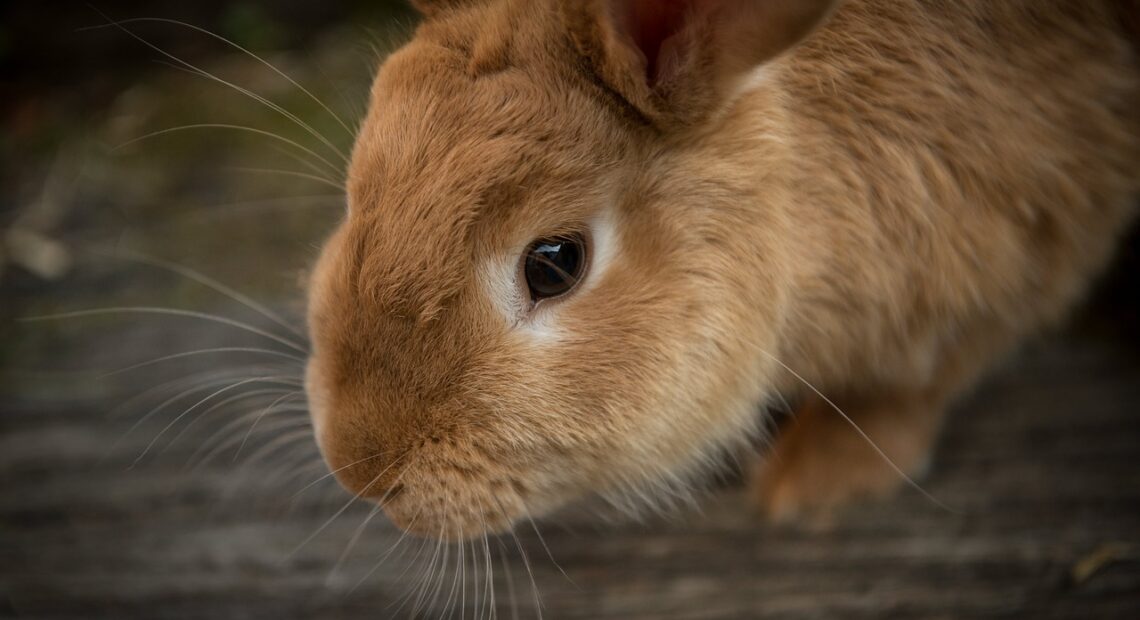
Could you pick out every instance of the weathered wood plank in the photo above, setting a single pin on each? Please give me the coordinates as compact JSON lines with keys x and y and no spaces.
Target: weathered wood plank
{"x":1041,"y":463}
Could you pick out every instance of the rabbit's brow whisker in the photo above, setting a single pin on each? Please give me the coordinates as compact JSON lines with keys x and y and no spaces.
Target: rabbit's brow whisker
{"x":245,"y":51}
{"x":238,"y":128}
{"x":244,"y":91}
{"x":291,"y":173}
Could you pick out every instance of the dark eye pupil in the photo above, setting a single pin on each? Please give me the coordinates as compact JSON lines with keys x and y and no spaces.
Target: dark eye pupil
{"x":553,"y":266}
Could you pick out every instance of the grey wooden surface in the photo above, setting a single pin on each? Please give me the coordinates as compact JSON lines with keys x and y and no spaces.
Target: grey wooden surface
{"x":1040,"y":465}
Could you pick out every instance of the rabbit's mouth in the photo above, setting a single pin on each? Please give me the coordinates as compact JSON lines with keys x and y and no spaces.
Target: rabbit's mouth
{"x":431,"y":485}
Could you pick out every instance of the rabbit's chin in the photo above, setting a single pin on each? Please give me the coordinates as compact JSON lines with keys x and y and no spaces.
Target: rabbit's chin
{"x":449,"y":508}
{"x":466,"y":515}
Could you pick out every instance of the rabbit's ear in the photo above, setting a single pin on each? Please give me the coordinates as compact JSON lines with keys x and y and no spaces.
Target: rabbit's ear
{"x":679,"y":60}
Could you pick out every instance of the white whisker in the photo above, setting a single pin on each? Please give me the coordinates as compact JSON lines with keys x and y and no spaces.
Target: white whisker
{"x":550,"y":555}
{"x":221,"y":380}
{"x":329,"y":167}
{"x":335,"y":471}
{"x":906,"y":478}
{"x":292,"y":173}
{"x":510,"y":578}
{"x":210,"y":351}
{"x":168,"y":312}
{"x":256,"y":97}
{"x":351,"y":501}
{"x":237,"y":208}
{"x":351,"y":543}
{"x":149,"y":446}
{"x":261,"y":415}
{"x":249,"y":53}
{"x":221,"y":404}
{"x":384,"y":556}
{"x":526,"y":563}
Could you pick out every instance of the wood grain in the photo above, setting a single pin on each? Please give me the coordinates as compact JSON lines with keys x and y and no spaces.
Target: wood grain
{"x":1040,"y":465}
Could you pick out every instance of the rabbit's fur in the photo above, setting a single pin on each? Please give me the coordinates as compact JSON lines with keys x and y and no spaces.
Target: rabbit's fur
{"x":876,"y":199}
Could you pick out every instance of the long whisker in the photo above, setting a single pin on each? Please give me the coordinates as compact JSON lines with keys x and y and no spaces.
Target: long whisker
{"x":296,"y":120}
{"x":443,"y":565}
{"x":208,"y":375}
{"x":234,"y":209}
{"x":505,"y":563}
{"x":351,"y":500}
{"x":149,"y":446}
{"x":273,"y":106}
{"x":295,"y":174}
{"x":354,"y":107}
{"x":384,"y":556}
{"x":459,"y":580}
{"x":335,"y":471}
{"x":418,"y":555}
{"x":436,"y":575}
{"x":305,"y":467}
{"x":474,"y":555}
{"x":220,"y":405}
{"x":213,"y":285}
{"x":331,"y":167}
{"x":550,"y":555}
{"x":168,"y":312}
{"x":456,"y":581}
{"x":489,"y":572}
{"x":268,"y":409}
{"x":220,"y":380}
{"x":423,"y":578}
{"x":337,"y":173}
{"x":305,"y":459}
{"x":311,"y":166}
{"x":526,"y":563}
{"x":302,"y":435}
{"x":184,"y":354}
{"x":247,"y":52}
{"x":352,"y":543}
{"x":906,"y":478}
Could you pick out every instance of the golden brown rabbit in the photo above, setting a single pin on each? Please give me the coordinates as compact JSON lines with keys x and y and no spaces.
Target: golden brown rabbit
{"x":588,"y":241}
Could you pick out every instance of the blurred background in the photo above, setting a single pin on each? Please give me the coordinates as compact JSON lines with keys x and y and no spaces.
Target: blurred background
{"x":169,"y":170}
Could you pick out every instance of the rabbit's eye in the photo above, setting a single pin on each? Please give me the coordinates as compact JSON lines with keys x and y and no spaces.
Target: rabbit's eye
{"x":553,"y":266}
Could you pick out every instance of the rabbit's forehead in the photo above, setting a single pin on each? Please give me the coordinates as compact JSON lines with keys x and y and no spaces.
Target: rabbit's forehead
{"x":426,"y":104}
{"x":450,"y":172}
{"x":451,"y":150}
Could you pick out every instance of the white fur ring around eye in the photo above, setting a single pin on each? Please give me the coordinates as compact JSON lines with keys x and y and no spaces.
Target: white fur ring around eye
{"x":505,"y":277}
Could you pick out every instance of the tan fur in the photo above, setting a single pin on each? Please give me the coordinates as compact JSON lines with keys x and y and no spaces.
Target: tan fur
{"x":901,"y":198}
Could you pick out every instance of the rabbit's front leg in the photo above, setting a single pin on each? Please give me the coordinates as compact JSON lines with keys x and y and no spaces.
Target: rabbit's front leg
{"x":832,"y":453}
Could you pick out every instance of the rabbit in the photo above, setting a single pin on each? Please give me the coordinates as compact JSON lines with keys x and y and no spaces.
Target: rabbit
{"x":588,"y":243}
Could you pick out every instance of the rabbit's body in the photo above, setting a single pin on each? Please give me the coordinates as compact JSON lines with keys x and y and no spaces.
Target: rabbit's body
{"x":961,"y":171}
{"x":947,"y":186}
{"x":873,"y":215}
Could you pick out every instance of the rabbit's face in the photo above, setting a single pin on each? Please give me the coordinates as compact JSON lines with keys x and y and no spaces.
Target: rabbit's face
{"x":532,"y":296}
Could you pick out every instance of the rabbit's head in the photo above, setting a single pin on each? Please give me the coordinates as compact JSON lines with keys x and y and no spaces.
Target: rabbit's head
{"x":551,"y":279}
